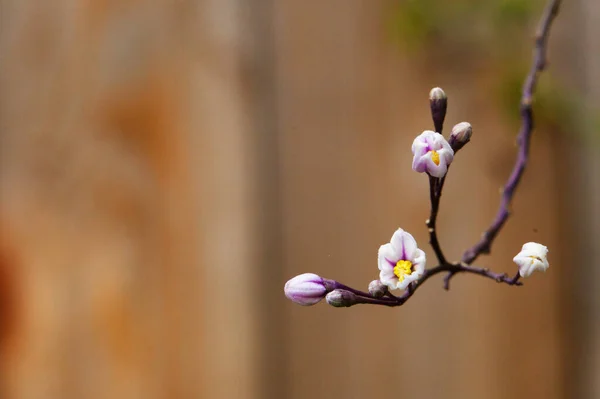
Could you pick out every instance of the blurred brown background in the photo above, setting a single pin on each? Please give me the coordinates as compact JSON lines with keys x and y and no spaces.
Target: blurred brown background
{"x":165,"y":167}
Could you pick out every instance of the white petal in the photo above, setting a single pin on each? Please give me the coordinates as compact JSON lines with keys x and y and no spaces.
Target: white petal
{"x":445,"y":146}
{"x":407,"y":280}
{"x":523,"y":263}
{"x":419,"y":147}
{"x":420,"y":162}
{"x":528,"y":266}
{"x":387,"y":257}
{"x":419,"y":261}
{"x":404,"y":244}
{"x":541,"y":266}
{"x":389,"y":279}
{"x":438,"y":171}
{"x":429,"y":136}
{"x":435,"y":140}
{"x":531,"y":258}
{"x":446,"y":154}
{"x":539,"y":249}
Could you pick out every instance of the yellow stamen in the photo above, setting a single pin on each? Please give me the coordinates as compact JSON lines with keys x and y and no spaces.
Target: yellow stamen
{"x":435,"y":157}
{"x":403,"y":268}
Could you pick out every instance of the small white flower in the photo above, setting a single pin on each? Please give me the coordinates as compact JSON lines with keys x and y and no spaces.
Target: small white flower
{"x":306,"y":289}
{"x":531,"y":258}
{"x":432,"y":154}
{"x":400,"y":261}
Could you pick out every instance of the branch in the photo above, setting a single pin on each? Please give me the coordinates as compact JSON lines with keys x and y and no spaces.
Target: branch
{"x":394,"y":301}
{"x":460,"y":268}
{"x":523,"y":139}
{"x":435,"y":192}
{"x":340,"y":295}
{"x":498,"y":277}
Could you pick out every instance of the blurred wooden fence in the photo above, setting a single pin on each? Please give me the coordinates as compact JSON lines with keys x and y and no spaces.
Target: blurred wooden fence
{"x":167,"y":165}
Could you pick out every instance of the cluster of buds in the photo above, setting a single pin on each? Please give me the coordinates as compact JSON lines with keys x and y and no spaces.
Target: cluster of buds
{"x":308,"y":289}
{"x":432,"y":153}
{"x":402,"y":265}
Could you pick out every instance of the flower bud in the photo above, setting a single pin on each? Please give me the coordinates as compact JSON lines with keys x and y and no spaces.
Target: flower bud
{"x":533,"y":256}
{"x":461,"y":134}
{"x":306,"y":289}
{"x":341,"y":298}
{"x":377,"y":288}
{"x":438,"y":103}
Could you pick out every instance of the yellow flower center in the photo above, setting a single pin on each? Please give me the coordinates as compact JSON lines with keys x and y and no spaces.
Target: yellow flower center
{"x":403,"y":268}
{"x":435,"y":157}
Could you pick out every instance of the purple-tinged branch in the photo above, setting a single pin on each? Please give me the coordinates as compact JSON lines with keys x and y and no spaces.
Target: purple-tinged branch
{"x":393,"y":301}
{"x":523,"y":139}
{"x":498,"y":277}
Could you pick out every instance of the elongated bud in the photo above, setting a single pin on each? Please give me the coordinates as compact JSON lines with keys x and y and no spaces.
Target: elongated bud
{"x":438,"y":102}
{"x":461,"y":135}
{"x":377,"y":288}
{"x":306,"y":289}
{"x":341,"y":298}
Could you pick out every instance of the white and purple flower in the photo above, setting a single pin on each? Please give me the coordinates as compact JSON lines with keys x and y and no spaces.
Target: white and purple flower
{"x":432,"y":154}
{"x":531,"y":258}
{"x":306,"y":289}
{"x":400,"y":261}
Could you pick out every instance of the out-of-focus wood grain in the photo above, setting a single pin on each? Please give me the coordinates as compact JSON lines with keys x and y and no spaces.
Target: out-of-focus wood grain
{"x":578,"y":66}
{"x":590,"y":255}
{"x":128,"y":201}
{"x":100,"y":244}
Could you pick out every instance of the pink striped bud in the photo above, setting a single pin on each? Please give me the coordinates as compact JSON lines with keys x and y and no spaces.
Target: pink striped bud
{"x":306,"y":289}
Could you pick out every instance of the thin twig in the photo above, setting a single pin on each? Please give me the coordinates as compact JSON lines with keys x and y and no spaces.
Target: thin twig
{"x":435,"y":193}
{"x":393,"y":301}
{"x":498,"y":277}
{"x":523,"y":139}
